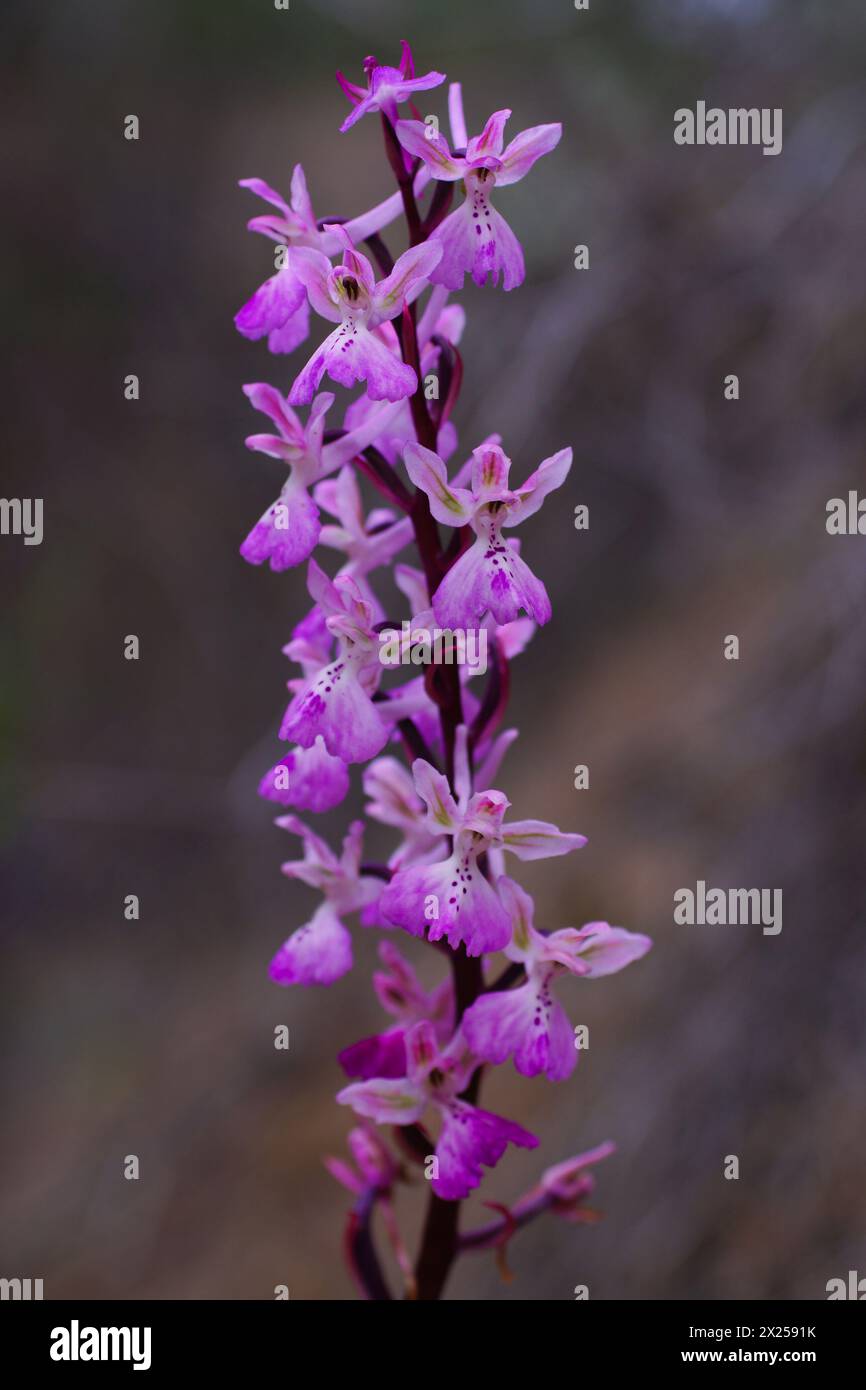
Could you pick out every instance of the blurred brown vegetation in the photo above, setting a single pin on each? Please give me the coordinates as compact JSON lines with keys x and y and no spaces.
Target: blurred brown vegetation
{"x":707,"y":518}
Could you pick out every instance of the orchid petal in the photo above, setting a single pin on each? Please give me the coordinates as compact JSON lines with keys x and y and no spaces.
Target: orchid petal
{"x":456,"y":119}
{"x":417,"y":140}
{"x":451,"y":506}
{"x":388,"y":1101}
{"x":432,"y":787}
{"x":524,"y":150}
{"x":316,"y":954}
{"x":547,"y":477}
{"x":414,"y":265}
{"x":538,"y":839}
{"x":471,"y":1138}
{"x":490,"y":141}
{"x":313,"y":269}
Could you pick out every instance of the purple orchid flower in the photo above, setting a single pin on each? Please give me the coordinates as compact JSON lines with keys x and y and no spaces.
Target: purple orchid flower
{"x":350,"y":296}
{"x":337,"y":702}
{"x":401,"y":994}
{"x":476,"y":239}
{"x":320,"y":952}
{"x":490,"y":577}
{"x":279,"y":309}
{"x":287,"y":533}
{"x":451,"y":897}
{"x":386,"y":87}
{"x":469,"y":1137}
{"x":529,"y":1023}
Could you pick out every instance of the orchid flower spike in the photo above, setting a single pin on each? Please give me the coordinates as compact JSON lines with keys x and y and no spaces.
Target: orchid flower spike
{"x":473,"y":604}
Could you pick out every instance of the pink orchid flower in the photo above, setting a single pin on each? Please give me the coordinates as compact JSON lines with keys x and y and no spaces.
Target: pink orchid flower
{"x":279,"y":309}
{"x":469,"y":1137}
{"x":350,"y":296}
{"x":393,"y":801}
{"x":402,"y":995}
{"x":386,"y":87}
{"x":476,"y":239}
{"x":319,"y":952}
{"x":287,"y":533}
{"x":561,"y":1190}
{"x":452,"y":897}
{"x":529,"y":1023}
{"x":568,"y":1182}
{"x":490,"y":577}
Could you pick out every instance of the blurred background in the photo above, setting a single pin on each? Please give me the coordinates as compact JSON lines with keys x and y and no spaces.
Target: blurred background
{"x":707,"y":518}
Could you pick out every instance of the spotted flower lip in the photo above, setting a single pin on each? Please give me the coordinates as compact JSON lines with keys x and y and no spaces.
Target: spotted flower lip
{"x":476,"y":239}
{"x":386,"y":87}
{"x":336,"y":701}
{"x":350,"y":295}
{"x":452,"y":897}
{"x":310,"y":779}
{"x":528,"y":1022}
{"x":491,"y":576}
{"x":469,"y":1139}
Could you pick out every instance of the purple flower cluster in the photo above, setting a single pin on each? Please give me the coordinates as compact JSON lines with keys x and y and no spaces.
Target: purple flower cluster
{"x":395,"y":332}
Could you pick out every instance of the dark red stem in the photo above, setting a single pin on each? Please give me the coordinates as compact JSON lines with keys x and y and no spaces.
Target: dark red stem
{"x":440,"y":1241}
